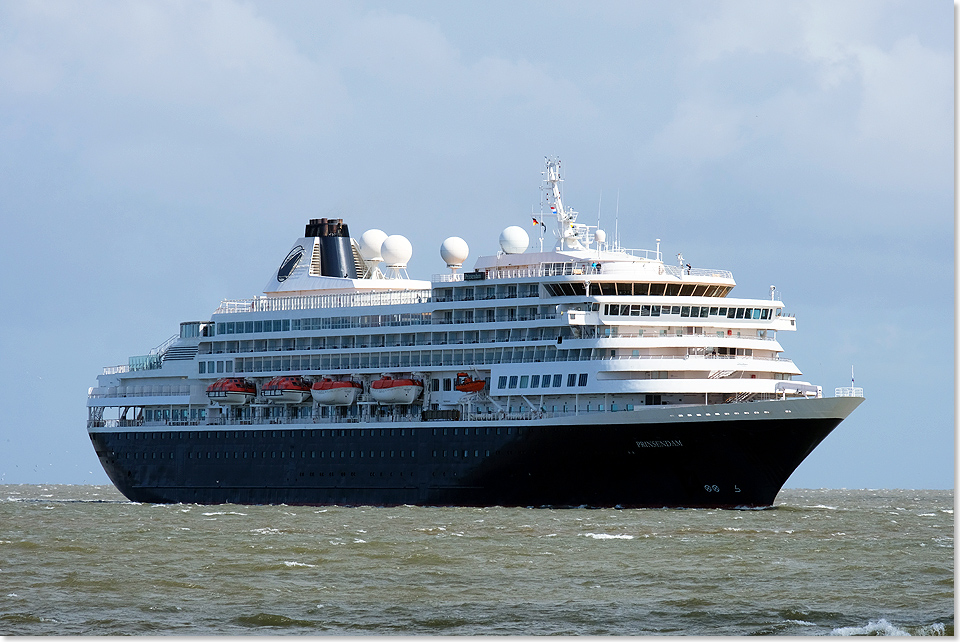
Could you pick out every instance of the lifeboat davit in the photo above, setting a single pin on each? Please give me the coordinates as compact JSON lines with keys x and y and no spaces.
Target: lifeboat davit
{"x":287,"y":389}
{"x":231,"y":391}
{"x":466,"y":383}
{"x":389,"y":390}
{"x":336,"y":393}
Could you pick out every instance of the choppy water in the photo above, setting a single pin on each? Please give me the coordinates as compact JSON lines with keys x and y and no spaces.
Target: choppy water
{"x":82,"y":560}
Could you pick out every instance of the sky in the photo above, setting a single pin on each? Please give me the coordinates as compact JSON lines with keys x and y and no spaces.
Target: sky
{"x":158,"y":157}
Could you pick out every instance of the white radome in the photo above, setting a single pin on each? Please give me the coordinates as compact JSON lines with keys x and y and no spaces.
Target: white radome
{"x":514,"y":240}
{"x":600,"y":235}
{"x":454,"y":251}
{"x":370,"y":244}
{"x":396,"y":251}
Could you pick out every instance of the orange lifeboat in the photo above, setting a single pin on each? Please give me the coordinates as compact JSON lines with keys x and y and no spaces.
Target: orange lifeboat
{"x":286,"y":389}
{"x":231,"y":391}
{"x":336,"y":393}
{"x":389,"y":390}
{"x":466,"y":383}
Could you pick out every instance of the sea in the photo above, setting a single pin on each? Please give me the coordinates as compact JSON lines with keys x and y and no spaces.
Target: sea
{"x":82,"y":560}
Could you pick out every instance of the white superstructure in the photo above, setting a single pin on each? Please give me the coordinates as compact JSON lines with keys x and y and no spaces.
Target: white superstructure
{"x":585,"y":327}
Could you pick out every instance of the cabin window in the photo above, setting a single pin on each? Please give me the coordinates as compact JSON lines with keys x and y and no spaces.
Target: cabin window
{"x":502,"y":382}
{"x":557,"y":380}
{"x":583,"y":379}
{"x":447,"y":385}
{"x":513,"y":381}
{"x":571,"y":380}
{"x":535,"y":381}
{"x":524,"y":380}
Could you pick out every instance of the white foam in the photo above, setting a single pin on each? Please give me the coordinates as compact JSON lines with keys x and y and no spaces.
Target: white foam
{"x":266,"y":531}
{"x":300,"y":564}
{"x":227,"y":512}
{"x":937,"y":628}
{"x":607,"y":536}
{"x":880,"y":627}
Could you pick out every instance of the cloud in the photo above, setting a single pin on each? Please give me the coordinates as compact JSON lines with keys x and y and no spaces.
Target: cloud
{"x":218,"y":59}
{"x":700,"y":131}
{"x":397,"y":51}
{"x":905,"y":99}
{"x":847,"y":98}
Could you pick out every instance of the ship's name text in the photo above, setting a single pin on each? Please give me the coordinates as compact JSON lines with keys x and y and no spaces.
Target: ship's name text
{"x":659,"y":444}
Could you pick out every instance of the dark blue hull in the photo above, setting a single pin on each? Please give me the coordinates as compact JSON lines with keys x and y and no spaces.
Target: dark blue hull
{"x":702,"y":464}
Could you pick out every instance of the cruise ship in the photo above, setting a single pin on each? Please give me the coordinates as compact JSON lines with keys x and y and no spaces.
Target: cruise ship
{"x":567,"y":371}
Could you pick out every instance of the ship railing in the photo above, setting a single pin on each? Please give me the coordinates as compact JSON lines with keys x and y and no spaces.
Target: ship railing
{"x":112,"y":370}
{"x":160,"y":390}
{"x":848,"y":392}
{"x":578,"y":268}
{"x":162,"y":348}
{"x":677,"y":271}
{"x":688,"y":357}
{"x":324,"y":301}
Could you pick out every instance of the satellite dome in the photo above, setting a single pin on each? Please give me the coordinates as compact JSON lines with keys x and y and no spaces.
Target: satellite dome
{"x":396,"y":251}
{"x":370,"y":243}
{"x":600,"y":235}
{"x":454,"y":251}
{"x":514,"y":240}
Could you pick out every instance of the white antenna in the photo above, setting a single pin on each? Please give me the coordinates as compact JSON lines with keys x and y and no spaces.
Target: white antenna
{"x":599,"y":207}
{"x":616,"y":224}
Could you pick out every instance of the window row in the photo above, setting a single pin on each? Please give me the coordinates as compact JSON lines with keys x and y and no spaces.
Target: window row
{"x":323,"y":433}
{"x":283,"y":454}
{"x":692,"y":311}
{"x":175,"y":414}
{"x":637,"y":289}
{"x":541,"y":381}
{"x":323,"y":323}
{"x":486,"y":292}
{"x":405,"y":339}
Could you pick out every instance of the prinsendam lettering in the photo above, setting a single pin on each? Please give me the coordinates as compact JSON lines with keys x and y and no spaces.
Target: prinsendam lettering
{"x":659,"y":444}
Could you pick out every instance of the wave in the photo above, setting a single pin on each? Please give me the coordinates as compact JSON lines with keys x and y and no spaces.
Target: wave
{"x":883,"y":627}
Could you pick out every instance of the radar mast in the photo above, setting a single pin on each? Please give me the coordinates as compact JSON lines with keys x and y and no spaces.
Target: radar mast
{"x":571,"y":235}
